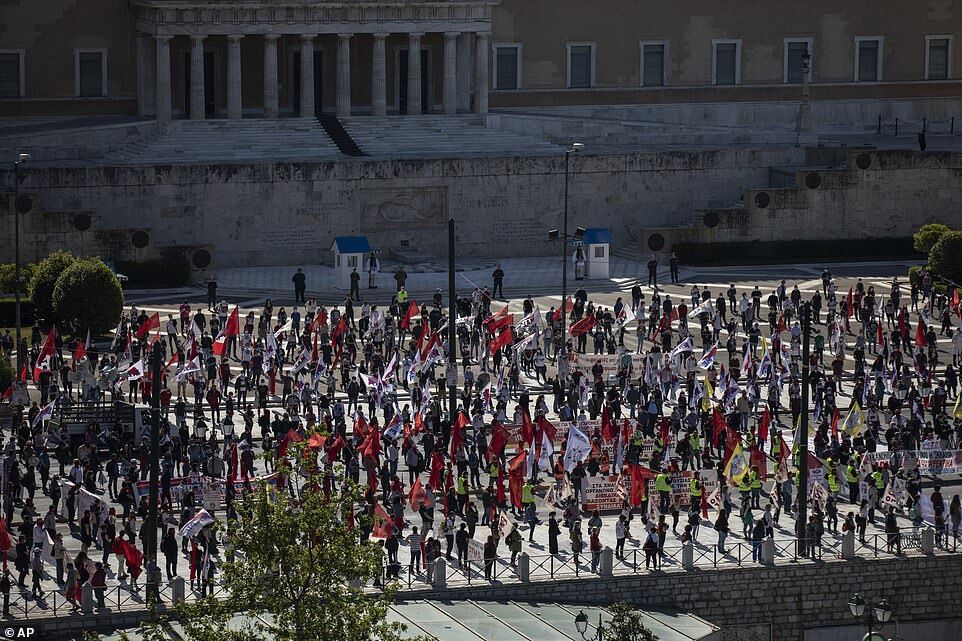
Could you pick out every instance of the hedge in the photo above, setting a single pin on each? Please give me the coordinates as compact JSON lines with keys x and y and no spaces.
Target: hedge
{"x":793,"y":251}
{"x":172,"y":269}
{"x":87,"y":296}
{"x":7,"y":271}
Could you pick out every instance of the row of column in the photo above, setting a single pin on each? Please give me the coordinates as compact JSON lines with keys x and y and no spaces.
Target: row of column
{"x":455,"y":77}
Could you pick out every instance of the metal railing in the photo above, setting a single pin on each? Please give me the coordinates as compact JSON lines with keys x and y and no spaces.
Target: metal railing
{"x":908,"y":127}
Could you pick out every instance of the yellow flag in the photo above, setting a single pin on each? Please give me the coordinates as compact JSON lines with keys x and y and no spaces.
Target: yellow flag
{"x":764,"y":346}
{"x":957,"y":412}
{"x":736,"y":467}
{"x":855,"y":421}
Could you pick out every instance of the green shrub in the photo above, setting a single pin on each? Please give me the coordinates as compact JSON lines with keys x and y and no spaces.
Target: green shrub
{"x":44,"y":278}
{"x":945,"y":258}
{"x":172,"y":269}
{"x":793,"y":251}
{"x":927,"y":235}
{"x":915,"y":275}
{"x":88,"y":296}
{"x":6,"y":372}
{"x":7,"y":271}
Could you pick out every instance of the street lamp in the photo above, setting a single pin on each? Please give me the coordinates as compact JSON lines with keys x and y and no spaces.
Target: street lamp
{"x":553,"y":235}
{"x":581,"y":624}
{"x":21,"y":158}
{"x":872,"y":612}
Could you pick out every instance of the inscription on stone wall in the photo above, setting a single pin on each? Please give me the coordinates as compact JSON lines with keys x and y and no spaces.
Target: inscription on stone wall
{"x":401,"y":209}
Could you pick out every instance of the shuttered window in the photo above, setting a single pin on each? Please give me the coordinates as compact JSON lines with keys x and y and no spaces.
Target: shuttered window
{"x":653,"y":63}
{"x":90,"y":74}
{"x":938,"y":59}
{"x":726,"y":63}
{"x":10,"y":80}
{"x":579,"y":65}
{"x":506,"y":67}
{"x":868,"y":61}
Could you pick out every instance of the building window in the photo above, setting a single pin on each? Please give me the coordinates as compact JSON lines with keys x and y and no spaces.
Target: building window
{"x":507,"y":67}
{"x":938,"y":57}
{"x":599,"y":251}
{"x":654,"y":56}
{"x":868,"y":59}
{"x":794,"y":55}
{"x":11,"y":73}
{"x":91,"y":72}
{"x":726,"y":62}
{"x":581,"y":65}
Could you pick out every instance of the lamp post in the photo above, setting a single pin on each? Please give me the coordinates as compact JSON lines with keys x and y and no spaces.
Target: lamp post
{"x":21,"y":158}
{"x":553,"y":235}
{"x":581,"y":624}
{"x":803,"y":121}
{"x":872,"y":612}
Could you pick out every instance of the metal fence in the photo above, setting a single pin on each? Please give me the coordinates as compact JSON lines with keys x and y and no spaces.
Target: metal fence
{"x":904,"y":127}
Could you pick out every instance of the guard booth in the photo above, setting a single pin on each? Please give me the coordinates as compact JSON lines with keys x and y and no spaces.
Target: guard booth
{"x":597,"y":249}
{"x":349,"y":254}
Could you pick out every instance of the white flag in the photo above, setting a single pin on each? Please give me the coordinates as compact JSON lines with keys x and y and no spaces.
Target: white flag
{"x":579,"y":447}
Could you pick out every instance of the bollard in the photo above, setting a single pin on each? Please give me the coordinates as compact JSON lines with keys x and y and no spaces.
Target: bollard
{"x":607,"y":564}
{"x":178,"y":590}
{"x":688,"y":556}
{"x":440,"y":579}
{"x":928,"y":541}
{"x":524,"y":567}
{"x":87,"y":598}
{"x":768,"y":551}
{"x":848,"y":545}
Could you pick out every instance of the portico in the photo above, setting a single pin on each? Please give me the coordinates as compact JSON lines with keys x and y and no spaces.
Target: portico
{"x":302,"y":58}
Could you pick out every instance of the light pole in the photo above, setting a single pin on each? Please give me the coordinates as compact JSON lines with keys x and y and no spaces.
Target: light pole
{"x":803,"y":121}
{"x":21,"y":158}
{"x":553,"y":235}
{"x":882,"y":612}
{"x":801,"y":436}
{"x":581,"y":624}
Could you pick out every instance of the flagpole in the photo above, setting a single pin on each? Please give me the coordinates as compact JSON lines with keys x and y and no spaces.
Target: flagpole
{"x":153,"y":591}
{"x":801,"y":438}
{"x":452,"y":376}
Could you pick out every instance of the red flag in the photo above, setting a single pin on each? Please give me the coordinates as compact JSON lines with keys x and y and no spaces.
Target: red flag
{"x":46,"y":351}
{"x":499,"y":437}
{"x":583,"y":326}
{"x":416,"y":495}
{"x":412,"y":311}
{"x":639,"y":483}
{"x":879,"y":336}
{"x":763,"y":426}
{"x":503,"y":339}
{"x":316,"y":441}
{"x":500,"y":323}
{"x":783,"y":451}
{"x":501,"y":496}
{"x":664,"y":431}
{"x":607,"y":429}
{"x":220,"y":344}
{"x":371,"y":447}
{"x":173,"y":360}
{"x":79,"y":352}
{"x":339,"y":329}
{"x":232,"y":326}
{"x":314,"y":352}
{"x":673,"y":314}
{"x":498,"y":314}
{"x":719,"y":424}
{"x":457,"y":439}
{"x":382,"y":523}
{"x":781,"y":325}
{"x":903,"y":324}
{"x":569,"y":305}
{"x":7,"y":393}
{"x":850,"y":303}
{"x":759,"y":460}
{"x":527,"y":429}
{"x":151,"y":323}
{"x":920,"y":333}
{"x":319,"y":320}
{"x":955,"y":300}
{"x":516,"y":477}
{"x":233,"y":463}
{"x":835,"y":419}
{"x":291,"y":437}
{"x":547,"y":427}
{"x":132,"y":555}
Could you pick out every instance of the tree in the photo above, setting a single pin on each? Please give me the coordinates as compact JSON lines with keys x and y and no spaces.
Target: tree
{"x":87,"y":295}
{"x":945,"y":258}
{"x":45,"y":275}
{"x":925,"y":238}
{"x":626,"y":625}
{"x":6,"y":372}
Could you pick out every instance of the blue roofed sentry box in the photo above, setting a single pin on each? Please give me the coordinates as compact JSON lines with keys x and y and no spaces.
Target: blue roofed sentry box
{"x":597,"y":236}
{"x":351,"y":245}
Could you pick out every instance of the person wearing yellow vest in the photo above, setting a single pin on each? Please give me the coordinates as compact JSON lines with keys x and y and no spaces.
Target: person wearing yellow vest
{"x":530,"y":513}
{"x":461,"y":485}
{"x":694,"y":489}
{"x":879,"y":479}
{"x":745,"y":489}
{"x":851,"y":477}
{"x":833,"y":487}
{"x":663,"y":487}
{"x":755,"y":481}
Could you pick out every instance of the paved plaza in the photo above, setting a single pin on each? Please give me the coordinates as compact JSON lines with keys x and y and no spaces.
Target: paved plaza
{"x":537,"y":278}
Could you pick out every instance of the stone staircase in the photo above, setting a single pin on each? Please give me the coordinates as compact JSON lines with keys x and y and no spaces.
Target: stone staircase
{"x":439,"y":136}
{"x":233,"y":141}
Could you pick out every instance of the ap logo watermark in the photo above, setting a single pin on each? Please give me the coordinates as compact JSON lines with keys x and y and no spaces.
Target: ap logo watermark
{"x":21,"y":632}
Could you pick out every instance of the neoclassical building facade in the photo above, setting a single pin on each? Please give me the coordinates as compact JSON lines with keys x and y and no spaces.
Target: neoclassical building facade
{"x":273,"y":58}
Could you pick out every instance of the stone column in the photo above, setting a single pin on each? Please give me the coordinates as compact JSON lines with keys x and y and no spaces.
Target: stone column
{"x":234,"y":104}
{"x":344,"y":75}
{"x":270,"y":75}
{"x":379,"y":77}
{"x":307,"y":75}
{"x":481,"y":74}
{"x":464,"y":72}
{"x":414,"y":73}
{"x":197,"y":77}
{"x":144,"y":77}
{"x":450,"y":96}
{"x":163,"y":78}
